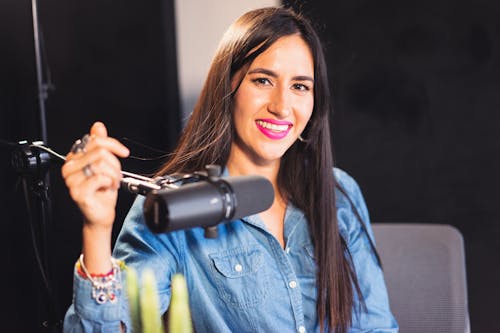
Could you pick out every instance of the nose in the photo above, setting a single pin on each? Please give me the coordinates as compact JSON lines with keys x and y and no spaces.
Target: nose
{"x":280,"y":103}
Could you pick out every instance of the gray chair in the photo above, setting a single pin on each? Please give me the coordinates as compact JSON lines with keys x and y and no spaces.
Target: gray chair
{"x":424,"y":268}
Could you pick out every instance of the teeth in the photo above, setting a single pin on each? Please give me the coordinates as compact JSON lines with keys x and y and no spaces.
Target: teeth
{"x":273,"y":127}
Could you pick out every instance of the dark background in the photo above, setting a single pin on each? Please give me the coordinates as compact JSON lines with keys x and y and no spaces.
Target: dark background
{"x":416,"y":121}
{"x":112,"y":61}
{"x":415,"y":88}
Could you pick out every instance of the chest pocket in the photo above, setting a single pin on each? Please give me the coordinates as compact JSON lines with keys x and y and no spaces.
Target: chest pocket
{"x":240,"y":276}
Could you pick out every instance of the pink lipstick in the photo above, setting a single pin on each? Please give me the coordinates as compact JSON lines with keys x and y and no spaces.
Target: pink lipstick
{"x":274,"y":129}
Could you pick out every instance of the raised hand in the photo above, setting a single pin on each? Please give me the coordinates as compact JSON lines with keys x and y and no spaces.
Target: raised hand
{"x":93,"y":176}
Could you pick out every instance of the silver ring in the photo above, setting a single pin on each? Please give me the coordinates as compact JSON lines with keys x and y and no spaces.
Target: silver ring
{"x":87,"y":171}
{"x":79,"y":145}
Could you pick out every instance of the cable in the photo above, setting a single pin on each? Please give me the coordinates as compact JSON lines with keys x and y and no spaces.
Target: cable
{"x":63,"y":158}
{"x":38,"y":258}
{"x":39,"y":145}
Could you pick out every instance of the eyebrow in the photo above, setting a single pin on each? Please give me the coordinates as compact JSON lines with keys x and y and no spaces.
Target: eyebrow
{"x":269,"y":72}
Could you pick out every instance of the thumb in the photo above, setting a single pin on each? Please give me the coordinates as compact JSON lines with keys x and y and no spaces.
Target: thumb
{"x":98,"y":129}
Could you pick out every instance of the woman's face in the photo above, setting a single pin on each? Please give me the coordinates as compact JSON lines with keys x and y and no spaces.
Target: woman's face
{"x":274,"y":101}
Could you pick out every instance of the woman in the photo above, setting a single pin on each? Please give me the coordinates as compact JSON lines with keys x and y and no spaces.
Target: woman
{"x":305,"y":264}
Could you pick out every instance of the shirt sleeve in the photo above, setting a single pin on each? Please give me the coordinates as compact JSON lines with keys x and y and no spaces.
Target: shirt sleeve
{"x":377,"y":316}
{"x":139,"y":248}
{"x":86,"y":315}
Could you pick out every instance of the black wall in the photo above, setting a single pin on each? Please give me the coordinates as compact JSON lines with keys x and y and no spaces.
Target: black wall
{"x":113,"y":61}
{"x":416,"y":119}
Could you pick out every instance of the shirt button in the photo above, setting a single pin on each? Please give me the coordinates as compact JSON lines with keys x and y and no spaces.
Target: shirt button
{"x":287,"y":250}
{"x":238,"y":268}
{"x":302,"y":329}
{"x":292,"y":285}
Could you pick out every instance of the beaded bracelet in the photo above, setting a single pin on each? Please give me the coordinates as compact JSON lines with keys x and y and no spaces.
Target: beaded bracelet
{"x":104,"y":287}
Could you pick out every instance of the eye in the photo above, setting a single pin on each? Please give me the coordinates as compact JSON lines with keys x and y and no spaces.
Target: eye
{"x":262,"y":81}
{"x":301,"y":87}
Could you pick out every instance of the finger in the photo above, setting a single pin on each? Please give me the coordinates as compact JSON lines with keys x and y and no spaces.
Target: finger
{"x":97,"y":155}
{"x":111,"y":144}
{"x":102,"y":167}
{"x":99,"y":130}
{"x":78,"y":177}
{"x":106,"y":162}
{"x":99,"y":137}
{"x":78,"y":161}
{"x":74,"y":180}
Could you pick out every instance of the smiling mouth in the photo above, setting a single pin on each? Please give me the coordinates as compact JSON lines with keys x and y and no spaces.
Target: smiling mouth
{"x":274,"y":127}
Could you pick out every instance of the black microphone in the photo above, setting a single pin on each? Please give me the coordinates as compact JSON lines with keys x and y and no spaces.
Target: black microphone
{"x":207,"y":203}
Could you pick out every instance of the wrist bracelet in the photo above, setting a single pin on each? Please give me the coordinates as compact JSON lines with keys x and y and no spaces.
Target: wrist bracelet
{"x":104,"y":287}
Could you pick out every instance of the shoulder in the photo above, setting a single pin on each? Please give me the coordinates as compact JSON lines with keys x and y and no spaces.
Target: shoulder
{"x":347,"y":190}
{"x":351,"y":207}
{"x":346,"y":181}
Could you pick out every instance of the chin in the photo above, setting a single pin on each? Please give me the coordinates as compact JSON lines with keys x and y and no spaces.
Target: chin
{"x":271,"y":156}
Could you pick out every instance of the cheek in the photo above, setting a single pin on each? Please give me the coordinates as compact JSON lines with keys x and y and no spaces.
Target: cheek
{"x":247,"y":102}
{"x":241,"y":117}
{"x":238,"y":110}
{"x":306,"y":113}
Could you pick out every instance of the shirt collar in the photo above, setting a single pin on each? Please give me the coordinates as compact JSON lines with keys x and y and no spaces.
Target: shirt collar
{"x":293,"y":216}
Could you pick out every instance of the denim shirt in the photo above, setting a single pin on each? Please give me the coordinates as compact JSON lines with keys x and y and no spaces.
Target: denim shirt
{"x":243,"y":280}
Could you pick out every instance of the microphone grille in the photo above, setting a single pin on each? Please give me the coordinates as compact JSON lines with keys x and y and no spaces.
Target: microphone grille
{"x":254,"y":194}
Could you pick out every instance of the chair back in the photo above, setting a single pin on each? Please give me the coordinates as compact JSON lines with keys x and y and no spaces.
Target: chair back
{"x":424,"y":269}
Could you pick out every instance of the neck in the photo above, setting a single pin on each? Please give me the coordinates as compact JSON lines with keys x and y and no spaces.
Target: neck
{"x":274,"y":218}
{"x":268,"y":171}
{"x":239,"y":165}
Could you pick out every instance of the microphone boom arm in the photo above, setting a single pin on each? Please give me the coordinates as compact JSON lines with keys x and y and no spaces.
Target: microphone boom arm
{"x":161,"y":216}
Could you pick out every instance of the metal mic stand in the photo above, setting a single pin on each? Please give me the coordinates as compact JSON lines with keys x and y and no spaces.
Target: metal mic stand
{"x":43,"y":87}
{"x":35,"y":177}
{"x":32,"y":166}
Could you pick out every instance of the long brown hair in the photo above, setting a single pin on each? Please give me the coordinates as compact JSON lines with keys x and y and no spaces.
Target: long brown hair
{"x":306,"y":172}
